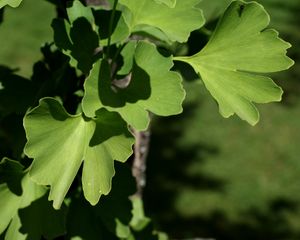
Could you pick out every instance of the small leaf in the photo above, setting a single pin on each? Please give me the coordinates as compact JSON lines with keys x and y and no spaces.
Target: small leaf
{"x":152,"y":87}
{"x":10,"y":203}
{"x":12,"y":3}
{"x":240,"y":48}
{"x":176,"y":22}
{"x":59,"y":142}
{"x":78,"y":41}
{"x":78,"y":10}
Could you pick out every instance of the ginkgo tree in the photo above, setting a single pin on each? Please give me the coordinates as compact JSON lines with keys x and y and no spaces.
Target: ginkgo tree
{"x":109,"y":67}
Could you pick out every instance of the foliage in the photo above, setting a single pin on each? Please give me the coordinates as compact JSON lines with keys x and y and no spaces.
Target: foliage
{"x":98,"y":81}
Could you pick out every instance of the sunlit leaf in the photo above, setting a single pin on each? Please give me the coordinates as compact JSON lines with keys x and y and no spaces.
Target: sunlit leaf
{"x":12,"y":3}
{"x":240,"y":48}
{"x":176,"y":22}
{"x":169,"y":3}
{"x":59,"y":142}
{"x":78,"y":10}
{"x":152,"y":87}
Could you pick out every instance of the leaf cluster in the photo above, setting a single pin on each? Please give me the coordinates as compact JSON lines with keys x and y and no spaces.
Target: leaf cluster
{"x":110,"y":65}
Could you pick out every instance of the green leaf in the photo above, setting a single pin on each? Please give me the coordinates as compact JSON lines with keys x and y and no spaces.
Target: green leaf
{"x":11,"y":173}
{"x":110,"y":217}
{"x":78,"y":10}
{"x":240,"y":48}
{"x":12,"y":3}
{"x":10,"y":202}
{"x":142,"y":227}
{"x":176,"y":22}
{"x":12,"y":137}
{"x":119,"y":32}
{"x":78,"y":41}
{"x":212,"y":9}
{"x":152,"y":87}
{"x":12,"y":89}
{"x":59,"y":142}
{"x":115,"y":210}
{"x":169,"y":3}
{"x":128,"y":58}
{"x":35,"y":224}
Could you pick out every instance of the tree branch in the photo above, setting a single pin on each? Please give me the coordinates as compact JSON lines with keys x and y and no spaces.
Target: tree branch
{"x":141,"y":149}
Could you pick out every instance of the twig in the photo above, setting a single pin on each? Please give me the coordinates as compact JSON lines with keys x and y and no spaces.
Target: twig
{"x":141,"y":148}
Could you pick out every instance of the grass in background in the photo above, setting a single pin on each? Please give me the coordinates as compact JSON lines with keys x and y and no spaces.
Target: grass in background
{"x":23,"y":31}
{"x":216,"y":177}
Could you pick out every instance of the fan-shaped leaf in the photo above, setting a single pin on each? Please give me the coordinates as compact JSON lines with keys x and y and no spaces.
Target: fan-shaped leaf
{"x":240,"y":48}
{"x":176,"y":22}
{"x":152,"y":87}
{"x":59,"y":142}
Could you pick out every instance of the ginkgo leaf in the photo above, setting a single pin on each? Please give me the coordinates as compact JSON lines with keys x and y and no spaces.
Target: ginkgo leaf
{"x":127,"y":54}
{"x":13,"y":88}
{"x":59,"y":142}
{"x":78,"y":10}
{"x":176,"y":22}
{"x":240,"y":48}
{"x":169,"y":3}
{"x":10,"y":202}
{"x":77,"y":39}
{"x":152,"y":86}
{"x":35,"y":224}
{"x":12,"y":3}
{"x":119,"y":30}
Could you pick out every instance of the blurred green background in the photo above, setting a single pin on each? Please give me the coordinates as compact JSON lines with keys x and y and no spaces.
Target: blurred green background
{"x":206,"y":176}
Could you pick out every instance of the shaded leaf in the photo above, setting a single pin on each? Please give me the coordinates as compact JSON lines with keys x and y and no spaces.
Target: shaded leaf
{"x":78,"y":40}
{"x":176,"y":22}
{"x":12,"y":89}
{"x":119,"y":31}
{"x":82,"y":223}
{"x":240,"y":48}
{"x":10,"y":203}
{"x":115,"y":210}
{"x":1,"y":15}
{"x":12,"y":137}
{"x":11,"y":173}
{"x":110,"y":217}
{"x":152,"y":87}
{"x":69,"y":140}
{"x":142,"y":227}
{"x":40,"y":219}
